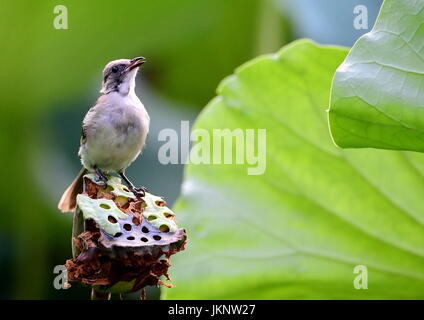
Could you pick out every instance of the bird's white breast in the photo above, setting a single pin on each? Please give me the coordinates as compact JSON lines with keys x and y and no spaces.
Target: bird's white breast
{"x":117,"y":128}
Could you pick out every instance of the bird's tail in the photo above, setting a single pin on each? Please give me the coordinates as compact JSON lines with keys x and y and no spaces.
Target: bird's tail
{"x":68,"y":202}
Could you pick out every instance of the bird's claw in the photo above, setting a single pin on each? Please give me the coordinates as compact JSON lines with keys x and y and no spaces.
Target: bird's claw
{"x":99,"y":181}
{"x":101,"y":178}
{"x":139,"y":192}
{"x":144,"y":189}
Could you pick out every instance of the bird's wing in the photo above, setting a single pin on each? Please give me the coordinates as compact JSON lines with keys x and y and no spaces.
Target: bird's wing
{"x":84,"y":126}
{"x":83,"y":139}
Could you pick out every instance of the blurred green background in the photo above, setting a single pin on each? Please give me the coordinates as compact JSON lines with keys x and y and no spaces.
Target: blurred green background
{"x":51,"y":77}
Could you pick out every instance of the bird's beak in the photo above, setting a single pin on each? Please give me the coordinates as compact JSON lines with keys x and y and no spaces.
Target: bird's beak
{"x":135,"y":63}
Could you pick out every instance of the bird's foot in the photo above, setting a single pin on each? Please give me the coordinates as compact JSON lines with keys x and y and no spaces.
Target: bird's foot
{"x":138,"y":192}
{"x":101,"y":182}
{"x":101,"y":177}
{"x":143,"y":189}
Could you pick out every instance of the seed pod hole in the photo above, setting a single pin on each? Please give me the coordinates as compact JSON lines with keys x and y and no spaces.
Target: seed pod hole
{"x":130,"y":238}
{"x":144,"y":239}
{"x":157,"y":238}
{"x":145,"y":230}
{"x":112,"y":219}
{"x":127,"y":227}
{"x":168,"y":215}
{"x":118,"y":234}
{"x":105,"y":206}
{"x":160,"y":203}
{"x":152,"y":217}
{"x":164,"y":228}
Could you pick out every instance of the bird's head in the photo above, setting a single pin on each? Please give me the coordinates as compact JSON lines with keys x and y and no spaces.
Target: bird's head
{"x":119,"y":75}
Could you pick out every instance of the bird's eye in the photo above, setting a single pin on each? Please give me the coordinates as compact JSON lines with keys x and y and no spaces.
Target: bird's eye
{"x":115,"y":69}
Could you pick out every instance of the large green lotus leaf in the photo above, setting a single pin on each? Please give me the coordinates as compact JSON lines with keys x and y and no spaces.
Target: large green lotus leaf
{"x":377,"y":98}
{"x":298,"y":230}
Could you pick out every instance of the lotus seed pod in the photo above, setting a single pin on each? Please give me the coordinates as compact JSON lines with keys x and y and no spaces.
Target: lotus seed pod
{"x":121,"y":243}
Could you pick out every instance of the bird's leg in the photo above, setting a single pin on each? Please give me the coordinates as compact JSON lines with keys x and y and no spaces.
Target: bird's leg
{"x":101,"y":175}
{"x":137,"y":191}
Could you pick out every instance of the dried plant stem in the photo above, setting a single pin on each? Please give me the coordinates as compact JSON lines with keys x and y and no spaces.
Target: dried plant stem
{"x":98,"y":295}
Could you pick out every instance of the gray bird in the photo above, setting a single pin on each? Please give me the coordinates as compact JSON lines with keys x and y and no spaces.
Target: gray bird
{"x":114,"y":130}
